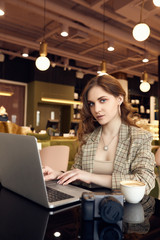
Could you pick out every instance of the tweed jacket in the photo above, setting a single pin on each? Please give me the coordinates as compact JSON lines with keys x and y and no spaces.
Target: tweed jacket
{"x":133,"y":159}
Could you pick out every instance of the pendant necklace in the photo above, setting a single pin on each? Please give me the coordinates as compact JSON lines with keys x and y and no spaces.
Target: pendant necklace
{"x":105,"y":148}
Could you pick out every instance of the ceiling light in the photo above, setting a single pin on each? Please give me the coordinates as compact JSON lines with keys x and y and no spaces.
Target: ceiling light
{"x":102,"y":70}
{"x":53,"y":64}
{"x":64,"y":32}
{"x":25,"y":52}
{"x":144,"y":86}
{"x":2,"y":8}
{"x":79,"y":74}
{"x":103,"y":66}
{"x":42,"y":62}
{"x":145,"y":60}
{"x":156,"y":3}
{"x":66,"y":63}
{"x":110,"y":47}
{"x":141,"y":31}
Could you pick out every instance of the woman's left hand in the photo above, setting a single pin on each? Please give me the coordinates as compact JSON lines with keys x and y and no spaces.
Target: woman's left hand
{"x":73,"y":175}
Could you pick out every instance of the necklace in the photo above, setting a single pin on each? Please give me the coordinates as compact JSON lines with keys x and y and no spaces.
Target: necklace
{"x":105,"y":148}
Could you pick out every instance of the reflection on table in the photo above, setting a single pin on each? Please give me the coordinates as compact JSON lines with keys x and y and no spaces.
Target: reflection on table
{"x":21,"y":219}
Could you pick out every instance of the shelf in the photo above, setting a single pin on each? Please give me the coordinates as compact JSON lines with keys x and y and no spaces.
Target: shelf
{"x":75,"y":121}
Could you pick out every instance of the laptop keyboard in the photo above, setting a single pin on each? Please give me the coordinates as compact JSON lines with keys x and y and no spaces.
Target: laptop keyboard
{"x":55,"y":195}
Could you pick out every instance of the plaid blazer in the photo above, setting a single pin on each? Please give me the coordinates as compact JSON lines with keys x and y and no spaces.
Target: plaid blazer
{"x":133,"y":159}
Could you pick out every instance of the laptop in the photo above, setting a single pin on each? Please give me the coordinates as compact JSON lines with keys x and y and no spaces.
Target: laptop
{"x":21,"y":172}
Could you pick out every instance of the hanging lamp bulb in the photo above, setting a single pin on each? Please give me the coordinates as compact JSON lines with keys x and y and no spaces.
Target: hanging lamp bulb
{"x":144,"y":86}
{"x":141,"y":32}
{"x":2,"y":8}
{"x":156,"y":3}
{"x":42,"y":62}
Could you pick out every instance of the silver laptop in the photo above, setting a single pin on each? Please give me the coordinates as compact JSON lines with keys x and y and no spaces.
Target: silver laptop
{"x":21,"y":172}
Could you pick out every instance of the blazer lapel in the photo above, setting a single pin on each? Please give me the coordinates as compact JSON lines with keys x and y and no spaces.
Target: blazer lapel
{"x":93,"y":144}
{"x":122,"y":147}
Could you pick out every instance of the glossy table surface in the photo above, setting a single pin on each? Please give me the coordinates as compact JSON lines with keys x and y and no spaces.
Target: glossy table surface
{"x":21,"y":219}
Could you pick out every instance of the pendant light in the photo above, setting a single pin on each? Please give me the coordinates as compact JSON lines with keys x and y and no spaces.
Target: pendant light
{"x":144,"y":86}
{"x":2,"y":8}
{"x":42,"y":62}
{"x":103,"y":65}
{"x":156,"y":3}
{"x":141,"y":31}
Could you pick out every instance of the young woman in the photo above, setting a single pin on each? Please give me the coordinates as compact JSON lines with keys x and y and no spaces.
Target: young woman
{"x":112,"y":147}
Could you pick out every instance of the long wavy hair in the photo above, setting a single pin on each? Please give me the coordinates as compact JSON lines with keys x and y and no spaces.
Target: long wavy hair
{"x":112,"y":86}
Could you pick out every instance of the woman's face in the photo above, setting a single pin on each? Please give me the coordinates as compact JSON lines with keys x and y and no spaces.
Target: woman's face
{"x":103,"y":106}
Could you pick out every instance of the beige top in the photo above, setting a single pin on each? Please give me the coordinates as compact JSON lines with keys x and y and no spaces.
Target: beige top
{"x":103,"y":167}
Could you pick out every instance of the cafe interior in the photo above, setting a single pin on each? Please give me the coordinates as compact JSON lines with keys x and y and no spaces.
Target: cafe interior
{"x":50,"y":49}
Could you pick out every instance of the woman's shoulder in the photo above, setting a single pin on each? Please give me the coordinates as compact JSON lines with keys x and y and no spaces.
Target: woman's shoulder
{"x":93,"y":135}
{"x":138,"y":132}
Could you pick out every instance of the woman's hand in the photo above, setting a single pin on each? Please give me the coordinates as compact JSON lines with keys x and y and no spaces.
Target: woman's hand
{"x":72,"y":175}
{"x":49,"y":173}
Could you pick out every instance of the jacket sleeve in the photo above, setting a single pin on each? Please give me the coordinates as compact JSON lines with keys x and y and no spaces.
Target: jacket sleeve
{"x":141,"y":164}
{"x":78,"y":160}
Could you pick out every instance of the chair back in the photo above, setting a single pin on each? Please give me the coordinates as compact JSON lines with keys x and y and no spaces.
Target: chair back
{"x":56,"y":157}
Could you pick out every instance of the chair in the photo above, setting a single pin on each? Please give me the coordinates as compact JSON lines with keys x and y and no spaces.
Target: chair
{"x":55,"y":157}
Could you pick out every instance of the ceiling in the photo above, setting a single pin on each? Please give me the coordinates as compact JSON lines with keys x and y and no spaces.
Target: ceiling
{"x":92,"y":25}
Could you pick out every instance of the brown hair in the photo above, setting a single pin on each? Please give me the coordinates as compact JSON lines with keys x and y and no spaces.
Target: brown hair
{"x":113,"y":87}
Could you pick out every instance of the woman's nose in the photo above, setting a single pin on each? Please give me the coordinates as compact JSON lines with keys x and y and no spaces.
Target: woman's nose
{"x":97,"y":108}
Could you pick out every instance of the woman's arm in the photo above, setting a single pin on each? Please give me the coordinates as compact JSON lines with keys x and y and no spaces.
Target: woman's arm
{"x":141,"y":166}
{"x":84,"y":176}
{"x":157,"y":157}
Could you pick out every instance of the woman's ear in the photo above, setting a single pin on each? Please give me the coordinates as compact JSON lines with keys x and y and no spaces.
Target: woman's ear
{"x":120,"y":99}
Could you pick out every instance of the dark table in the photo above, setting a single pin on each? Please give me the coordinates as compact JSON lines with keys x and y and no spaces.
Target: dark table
{"x":21,"y":219}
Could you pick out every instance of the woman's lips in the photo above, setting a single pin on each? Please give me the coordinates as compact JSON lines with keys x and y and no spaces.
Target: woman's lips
{"x":99,"y":117}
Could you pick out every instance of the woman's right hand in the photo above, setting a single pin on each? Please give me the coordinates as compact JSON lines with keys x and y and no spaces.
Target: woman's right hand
{"x":49,"y":173}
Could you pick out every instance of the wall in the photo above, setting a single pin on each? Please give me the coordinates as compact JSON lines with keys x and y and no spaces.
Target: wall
{"x":15,"y":105}
{"x":36,"y":90}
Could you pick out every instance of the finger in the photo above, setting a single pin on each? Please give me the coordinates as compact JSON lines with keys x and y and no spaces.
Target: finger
{"x":72,"y":179}
{"x":68,"y":179}
{"x":63,"y":175}
{"x":46,"y":178}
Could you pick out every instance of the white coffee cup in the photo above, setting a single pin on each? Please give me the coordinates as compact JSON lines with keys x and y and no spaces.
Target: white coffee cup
{"x":132,"y":190}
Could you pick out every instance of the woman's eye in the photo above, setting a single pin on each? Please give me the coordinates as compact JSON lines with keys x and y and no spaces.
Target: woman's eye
{"x":103,"y":100}
{"x":90,"y":104}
